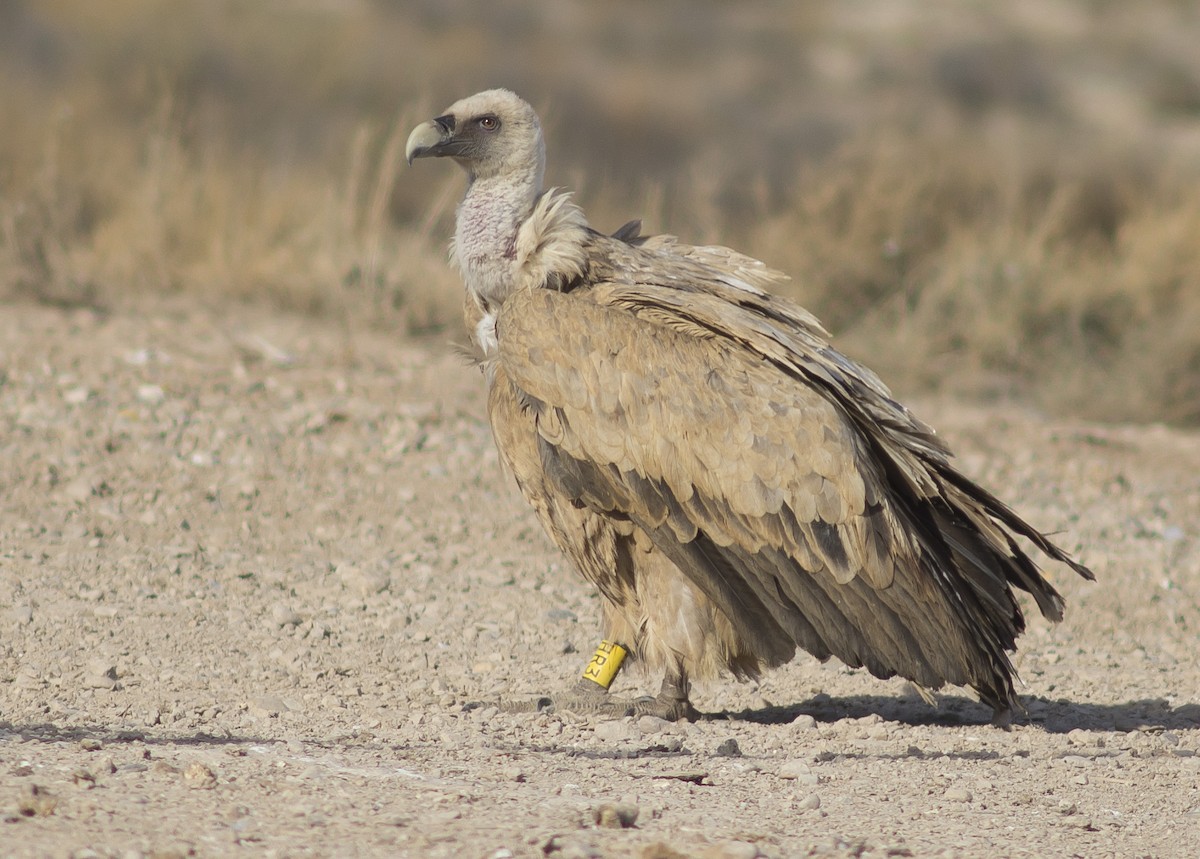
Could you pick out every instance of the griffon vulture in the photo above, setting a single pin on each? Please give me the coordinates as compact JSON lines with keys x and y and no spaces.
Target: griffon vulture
{"x":733,"y":486}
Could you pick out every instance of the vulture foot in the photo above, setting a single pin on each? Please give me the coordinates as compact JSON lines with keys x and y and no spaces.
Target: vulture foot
{"x":589,"y":695}
{"x":588,"y":698}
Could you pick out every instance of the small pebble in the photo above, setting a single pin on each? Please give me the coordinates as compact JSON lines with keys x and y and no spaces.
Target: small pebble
{"x":284,"y":616}
{"x":729,"y":749}
{"x":652,"y":725}
{"x":798,"y":771}
{"x":100,"y":674}
{"x":199,"y":776}
{"x":621,"y":815}
{"x":811,"y":802}
{"x":35,"y":801}
{"x":101,"y":667}
{"x":29,"y":677}
{"x":804,"y":721}
{"x":615,"y":730}
{"x":267,"y":706}
{"x":958,"y":794}
{"x":81,"y":488}
{"x":362,"y":582}
{"x":151,"y":395}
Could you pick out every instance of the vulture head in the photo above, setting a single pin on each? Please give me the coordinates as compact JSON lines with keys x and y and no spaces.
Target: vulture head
{"x":491,"y":134}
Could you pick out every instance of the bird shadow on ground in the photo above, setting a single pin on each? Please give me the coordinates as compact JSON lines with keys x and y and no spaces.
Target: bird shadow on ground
{"x":1057,"y":716}
{"x":47,"y":732}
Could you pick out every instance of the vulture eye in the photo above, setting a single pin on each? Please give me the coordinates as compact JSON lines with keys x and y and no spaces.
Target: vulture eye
{"x":488,"y":123}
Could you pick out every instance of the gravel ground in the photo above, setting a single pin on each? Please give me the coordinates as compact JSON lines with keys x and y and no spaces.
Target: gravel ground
{"x":257,"y":570}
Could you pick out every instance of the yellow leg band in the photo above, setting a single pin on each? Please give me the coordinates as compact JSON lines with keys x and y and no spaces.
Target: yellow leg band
{"x":605,"y":664}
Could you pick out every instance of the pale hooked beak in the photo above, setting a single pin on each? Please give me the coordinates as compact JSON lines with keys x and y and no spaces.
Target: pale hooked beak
{"x":432,"y":138}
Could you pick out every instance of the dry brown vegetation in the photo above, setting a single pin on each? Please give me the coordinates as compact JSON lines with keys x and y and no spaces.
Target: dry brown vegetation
{"x":1000,"y":200}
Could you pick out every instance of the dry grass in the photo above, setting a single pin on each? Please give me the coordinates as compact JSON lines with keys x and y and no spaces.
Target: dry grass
{"x":1001,"y":201}
{"x":113,"y":214}
{"x":1075,"y":289}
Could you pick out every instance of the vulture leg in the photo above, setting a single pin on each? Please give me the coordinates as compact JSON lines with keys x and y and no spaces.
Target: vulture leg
{"x":672,"y":702}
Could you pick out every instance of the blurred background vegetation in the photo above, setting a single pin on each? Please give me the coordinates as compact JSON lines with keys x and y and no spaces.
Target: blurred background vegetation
{"x":996,"y":199}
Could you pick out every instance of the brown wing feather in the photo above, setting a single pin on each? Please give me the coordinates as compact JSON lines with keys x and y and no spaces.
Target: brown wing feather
{"x":777,"y":474}
{"x":765,"y":536}
{"x":606,"y":548}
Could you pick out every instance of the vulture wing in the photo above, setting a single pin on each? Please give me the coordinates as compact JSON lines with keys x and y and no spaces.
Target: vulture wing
{"x":669,"y":390}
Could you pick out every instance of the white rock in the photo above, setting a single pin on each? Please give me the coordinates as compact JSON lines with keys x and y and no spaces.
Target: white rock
{"x":266,"y":706}
{"x":284,"y":616}
{"x":101,"y":670}
{"x":652,"y":725}
{"x":616,"y":730}
{"x":797,"y":771}
{"x":361,"y":582}
{"x":151,"y":395}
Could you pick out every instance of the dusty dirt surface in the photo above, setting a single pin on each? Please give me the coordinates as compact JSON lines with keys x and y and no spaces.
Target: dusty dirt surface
{"x":255,"y":569}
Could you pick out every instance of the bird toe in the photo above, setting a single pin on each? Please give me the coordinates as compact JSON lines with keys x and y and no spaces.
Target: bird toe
{"x":582,"y":701}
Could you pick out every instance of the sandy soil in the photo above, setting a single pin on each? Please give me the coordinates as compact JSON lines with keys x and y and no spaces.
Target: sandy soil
{"x":253,"y":567}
